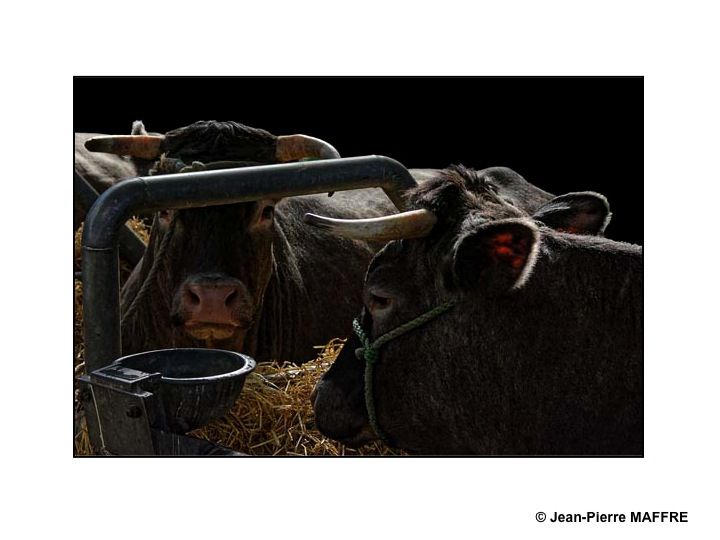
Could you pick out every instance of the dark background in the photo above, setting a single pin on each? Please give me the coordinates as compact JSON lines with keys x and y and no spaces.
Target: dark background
{"x":562,"y":134}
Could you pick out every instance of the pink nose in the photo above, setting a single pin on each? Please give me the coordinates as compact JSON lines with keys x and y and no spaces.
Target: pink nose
{"x":214,"y":302}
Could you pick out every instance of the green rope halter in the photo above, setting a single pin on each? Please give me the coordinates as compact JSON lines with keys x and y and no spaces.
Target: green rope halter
{"x":371,"y":353}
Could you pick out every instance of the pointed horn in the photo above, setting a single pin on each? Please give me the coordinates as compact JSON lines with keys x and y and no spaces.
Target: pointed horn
{"x":141,"y":146}
{"x":412,"y":224}
{"x":294,"y":147}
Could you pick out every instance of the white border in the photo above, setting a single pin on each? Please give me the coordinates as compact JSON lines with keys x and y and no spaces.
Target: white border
{"x":673,"y":45}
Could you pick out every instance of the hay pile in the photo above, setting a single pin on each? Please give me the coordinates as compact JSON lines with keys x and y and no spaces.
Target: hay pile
{"x":273,"y":415}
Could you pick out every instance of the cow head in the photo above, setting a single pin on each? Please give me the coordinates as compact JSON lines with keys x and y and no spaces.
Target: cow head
{"x":472,"y":247}
{"x":202,"y":280}
{"x":214,"y":264}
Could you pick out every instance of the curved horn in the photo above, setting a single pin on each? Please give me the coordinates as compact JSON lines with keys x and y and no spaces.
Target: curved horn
{"x":412,"y":224}
{"x":294,"y":147}
{"x":141,"y":146}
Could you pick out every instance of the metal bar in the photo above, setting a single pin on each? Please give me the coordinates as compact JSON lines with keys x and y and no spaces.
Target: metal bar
{"x":100,"y":235}
{"x":132,"y":248}
{"x":101,"y":306}
{"x":174,"y":444}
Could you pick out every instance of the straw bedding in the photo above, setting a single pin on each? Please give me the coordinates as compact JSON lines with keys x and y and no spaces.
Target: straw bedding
{"x":273,"y":415}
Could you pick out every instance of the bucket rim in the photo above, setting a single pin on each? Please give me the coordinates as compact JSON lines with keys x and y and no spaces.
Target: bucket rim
{"x":248,"y":365}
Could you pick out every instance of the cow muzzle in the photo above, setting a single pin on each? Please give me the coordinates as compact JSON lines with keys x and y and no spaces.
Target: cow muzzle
{"x":340,"y":417}
{"x":214,"y":308}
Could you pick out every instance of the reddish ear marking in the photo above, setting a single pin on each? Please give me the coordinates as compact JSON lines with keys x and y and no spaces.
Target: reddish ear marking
{"x":503,"y":238}
{"x":569,"y":230}
{"x":504,"y":247}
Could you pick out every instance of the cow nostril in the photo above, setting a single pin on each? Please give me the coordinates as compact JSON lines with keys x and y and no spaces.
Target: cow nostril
{"x":193,"y":298}
{"x":231,"y":298}
{"x":213,"y":301}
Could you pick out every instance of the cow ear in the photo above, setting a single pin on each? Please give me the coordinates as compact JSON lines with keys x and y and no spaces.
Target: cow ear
{"x":496,"y":256}
{"x":578,"y":213}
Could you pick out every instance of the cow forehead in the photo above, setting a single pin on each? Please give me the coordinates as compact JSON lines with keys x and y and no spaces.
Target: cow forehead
{"x":402,"y":263}
{"x":457,"y":191}
{"x":388,"y":254}
{"x":488,"y":211}
{"x":234,"y":213}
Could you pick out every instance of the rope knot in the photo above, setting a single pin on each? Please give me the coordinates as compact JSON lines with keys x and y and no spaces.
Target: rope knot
{"x":370,"y":352}
{"x":371,"y":355}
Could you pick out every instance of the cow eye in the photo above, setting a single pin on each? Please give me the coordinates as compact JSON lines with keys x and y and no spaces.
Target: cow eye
{"x":378,"y":302}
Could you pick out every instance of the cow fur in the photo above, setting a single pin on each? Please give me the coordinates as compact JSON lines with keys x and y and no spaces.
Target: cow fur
{"x":547,"y":361}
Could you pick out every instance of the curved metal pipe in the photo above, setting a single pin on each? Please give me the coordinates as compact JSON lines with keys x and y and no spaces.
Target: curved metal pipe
{"x":101,"y":296}
{"x":132,"y":248}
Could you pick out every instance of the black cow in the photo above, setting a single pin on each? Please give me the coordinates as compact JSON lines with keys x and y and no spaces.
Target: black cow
{"x":251,"y":277}
{"x":536,"y":345}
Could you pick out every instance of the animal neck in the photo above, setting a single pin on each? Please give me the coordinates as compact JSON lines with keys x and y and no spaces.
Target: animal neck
{"x":274,"y":335}
{"x":594,"y":269}
{"x":142,"y":329}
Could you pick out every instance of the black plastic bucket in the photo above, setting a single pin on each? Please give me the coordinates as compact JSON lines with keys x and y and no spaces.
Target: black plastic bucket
{"x":196,"y":385}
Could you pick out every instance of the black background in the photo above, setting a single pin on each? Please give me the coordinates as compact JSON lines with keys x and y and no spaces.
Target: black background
{"x":562,"y":134}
